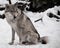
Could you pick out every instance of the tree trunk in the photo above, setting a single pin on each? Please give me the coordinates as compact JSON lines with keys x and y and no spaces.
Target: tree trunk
{"x":9,"y":1}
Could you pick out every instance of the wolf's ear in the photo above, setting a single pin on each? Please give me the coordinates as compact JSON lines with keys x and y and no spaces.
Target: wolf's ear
{"x":24,"y":5}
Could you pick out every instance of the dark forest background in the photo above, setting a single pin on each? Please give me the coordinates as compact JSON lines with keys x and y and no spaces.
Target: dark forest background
{"x":39,"y":5}
{"x":42,"y":5}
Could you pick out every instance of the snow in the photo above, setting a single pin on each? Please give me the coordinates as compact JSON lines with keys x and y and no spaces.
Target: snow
{"x":3,"y":2}
{"x":6,"y":2}
{"x":1,"y":12}
{"x":49,"y":27}
{"x":23,"y":2}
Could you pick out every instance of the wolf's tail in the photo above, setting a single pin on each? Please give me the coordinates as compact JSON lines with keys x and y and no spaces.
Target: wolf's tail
{"x":44,"y":40}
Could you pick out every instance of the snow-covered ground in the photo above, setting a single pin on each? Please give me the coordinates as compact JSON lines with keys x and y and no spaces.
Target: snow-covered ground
{"x":49,"y":27}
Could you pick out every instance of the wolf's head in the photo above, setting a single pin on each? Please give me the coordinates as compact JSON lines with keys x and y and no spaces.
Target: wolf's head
{"x":12,"y":11}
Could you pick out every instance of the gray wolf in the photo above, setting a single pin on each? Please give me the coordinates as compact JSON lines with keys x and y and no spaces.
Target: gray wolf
{"x":22,"y":25}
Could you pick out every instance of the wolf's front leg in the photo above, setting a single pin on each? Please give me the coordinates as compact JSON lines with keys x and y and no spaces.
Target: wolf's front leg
{"x":13,"y":37}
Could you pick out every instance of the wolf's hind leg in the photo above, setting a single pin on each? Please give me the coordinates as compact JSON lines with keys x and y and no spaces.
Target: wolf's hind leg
{"x":13,"y":37}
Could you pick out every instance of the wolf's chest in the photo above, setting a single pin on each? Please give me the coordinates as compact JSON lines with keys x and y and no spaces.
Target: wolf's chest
{"x":12,"y":23}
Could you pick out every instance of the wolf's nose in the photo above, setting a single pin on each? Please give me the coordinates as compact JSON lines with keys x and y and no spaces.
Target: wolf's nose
{"x":14,"y":17}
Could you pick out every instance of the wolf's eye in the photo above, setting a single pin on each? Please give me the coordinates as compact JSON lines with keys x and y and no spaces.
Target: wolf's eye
{"x":12,"y":11}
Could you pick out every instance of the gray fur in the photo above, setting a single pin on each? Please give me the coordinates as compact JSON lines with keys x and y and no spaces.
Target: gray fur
{"x":22,"y":25}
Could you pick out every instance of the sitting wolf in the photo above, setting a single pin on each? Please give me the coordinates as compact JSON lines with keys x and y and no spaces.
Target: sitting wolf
{"x":22,"y":25}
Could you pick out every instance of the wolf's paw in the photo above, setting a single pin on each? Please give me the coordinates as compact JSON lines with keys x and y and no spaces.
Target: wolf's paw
{"x":11,"y":43}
